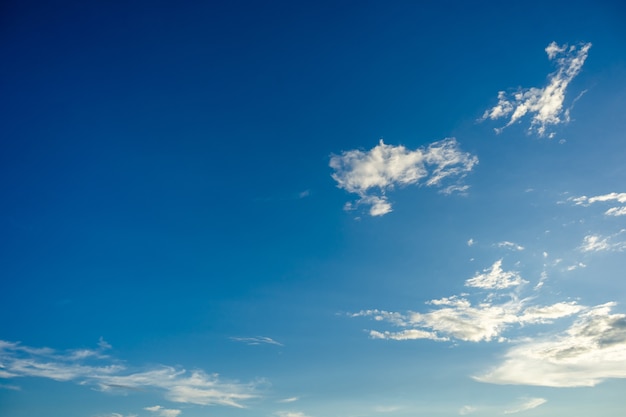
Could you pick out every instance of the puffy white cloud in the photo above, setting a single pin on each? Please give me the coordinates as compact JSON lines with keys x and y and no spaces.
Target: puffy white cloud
{"x":528,"y":404}
{"x":179,"y":385}
{"x":370,"y":174}
{"x":545,"y":105}
{"x":495,"y":278}
{"x":591,"y":350}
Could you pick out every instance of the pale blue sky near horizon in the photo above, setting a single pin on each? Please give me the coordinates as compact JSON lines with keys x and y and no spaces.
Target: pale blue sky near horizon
{"x":312,"y":209}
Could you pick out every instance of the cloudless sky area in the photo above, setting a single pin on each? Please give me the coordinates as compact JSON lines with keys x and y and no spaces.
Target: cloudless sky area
{"x":312,"y":209}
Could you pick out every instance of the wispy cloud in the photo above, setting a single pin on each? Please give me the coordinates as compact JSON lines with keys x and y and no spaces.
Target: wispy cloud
{"x":495,"y":278}
{"x":290,"y":414}
{"x":457,"y":318}
{"x":510,"y":246}
{"x":598,"y":243}
{"x":371,"y":174}
{"x":591,"y":350}
{"x":527,"y":404}
{"x":257,"y":340}
{"x":106,"y":374}
{"x":288,"y":400}
{"x":545,"y":105}
{"x":163,"y":412}
{"x":610,"y":197}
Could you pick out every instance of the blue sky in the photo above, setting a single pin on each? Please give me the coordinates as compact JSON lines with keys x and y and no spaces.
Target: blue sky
{"x":316,"y":209}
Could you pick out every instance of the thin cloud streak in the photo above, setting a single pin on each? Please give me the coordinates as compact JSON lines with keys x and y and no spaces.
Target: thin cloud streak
{"x":528,"y":404}
{"x":177,"y":385}
{"x":257,"y":340}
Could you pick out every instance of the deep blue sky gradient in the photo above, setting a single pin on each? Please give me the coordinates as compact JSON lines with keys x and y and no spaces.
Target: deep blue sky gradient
{"x":165,"y":186}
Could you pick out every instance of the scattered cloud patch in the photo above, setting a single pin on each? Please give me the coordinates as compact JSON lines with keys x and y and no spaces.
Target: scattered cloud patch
{"x":495,"y":278}
{"x":544,"y":105}
{"x":528,"y":404}
{"x":470,"y":242}
{"x":163,"y":412}
{"x":610,"y":197}
{"x":597,"y":243}
{"x":510,"y":246}
{"x":257,"y":340}
{"x":109,"y":375}
{"x":457,"y":318}
{"x":371,"y":174}
{"x":590,"y":351}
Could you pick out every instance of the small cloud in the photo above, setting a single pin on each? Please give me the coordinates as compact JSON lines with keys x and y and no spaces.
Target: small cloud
{"x":597,"y":243}
{"x":528,"y":404}
{"x":163,"y":412}
{"x":470,"y":242}
{"x":545,"y":105}
{"x":304,"y":194}
{"x":103,"y":344}
{"x":510,"y":246}
{"x":610,"y":197}
{"x":258,"y":340}
{"x":289,"y":400}
{"x":10,"y":387}
{"x":290,"y":414}
{"x":371,"y":174}
{"x":576,"y":266}
{"x":495,"y":278}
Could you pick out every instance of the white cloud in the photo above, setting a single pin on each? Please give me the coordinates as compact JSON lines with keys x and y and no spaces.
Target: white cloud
{"x":370,"y":174}
{"x":528,"y":404}
{"x":163,"y":412}
{"x":178,"y":385}
{"x":495,"y":278}
{"x":585,"y":201}
{"x":544,"y":104}
{"x":510,"y":245}
{"x":288,"y":400}
{"x":613,"y":211}
{"x":591,"y":350}
{"x":470,"y":242}
{"x":457,"y":318}
{"x":597,"y":243}
{"x":257,"y":340}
